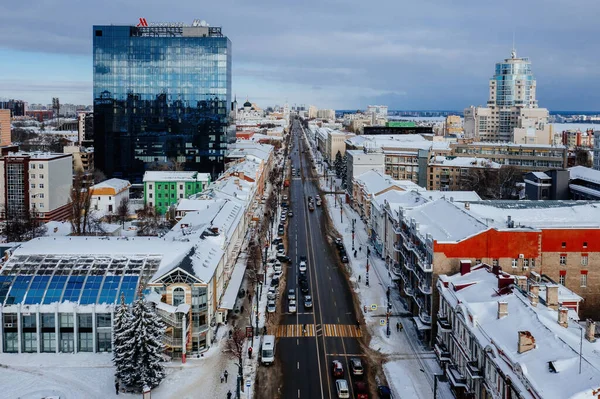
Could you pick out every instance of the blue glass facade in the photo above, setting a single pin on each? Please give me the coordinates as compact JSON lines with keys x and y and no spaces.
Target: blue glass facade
{"x":507,"y":75}
{"x":161,"y":95}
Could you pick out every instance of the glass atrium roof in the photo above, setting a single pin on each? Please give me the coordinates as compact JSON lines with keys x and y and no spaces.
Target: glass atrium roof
{"x":84,"y":279}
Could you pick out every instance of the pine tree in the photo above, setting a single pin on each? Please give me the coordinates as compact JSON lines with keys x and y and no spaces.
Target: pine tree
{"x":122,"y":341}
{"x":337,"y":164}
{"x":146,"y":331}
{"x":343,"y":168}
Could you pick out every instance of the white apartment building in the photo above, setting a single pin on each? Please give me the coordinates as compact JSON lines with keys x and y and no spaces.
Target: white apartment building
{"x":107,"y":195}
{"x":312,"y":112}
{"x":361,"y":161}
{"x":380,"y":111}
{"x":37,"y":181}
{"x":328,"y":114}
{"x":512,"y":113}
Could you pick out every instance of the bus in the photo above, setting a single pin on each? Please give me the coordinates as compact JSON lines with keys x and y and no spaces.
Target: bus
{"x":267,"y":352}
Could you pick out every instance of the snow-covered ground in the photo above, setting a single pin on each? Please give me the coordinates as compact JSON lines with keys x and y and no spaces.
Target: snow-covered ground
{"x":410,"y":367}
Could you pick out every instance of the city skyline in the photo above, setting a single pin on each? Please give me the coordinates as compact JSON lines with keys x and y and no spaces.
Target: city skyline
{"x":427,"y":56}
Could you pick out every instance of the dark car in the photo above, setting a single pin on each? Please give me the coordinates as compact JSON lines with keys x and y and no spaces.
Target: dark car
{"x":280,"y":231}
{"x":337,"y":369}
{"x":344,"y":259}
{"x":276,"y":241}
{"x":283,"y":258}
{"x":304,"y":287}
{"x":280,"y":246}
{"x":339,"y":243}
{"x":384,"y":392}
{"x":274,"y":282}
{"x":361,"y":390}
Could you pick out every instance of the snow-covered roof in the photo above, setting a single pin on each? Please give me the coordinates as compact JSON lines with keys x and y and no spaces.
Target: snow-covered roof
{"x":248,"y":167}
{"x":583,"y":173}
{"x":233,"y":287}
{"x":459,"y":196}
{"x":504,"y":144}
{"x":374,"y":182}
{"x":114,"y":184}
{"x":464,"y":162}
{"x":399,"y":199}
{"x":445,"y":221}
{"x":540,"y":175}
{"x":397,"y":141}
{"x":537,"y":214}
{"x":63,"y":229}
{"x":554,"y":345}
{"x":173,"y":176}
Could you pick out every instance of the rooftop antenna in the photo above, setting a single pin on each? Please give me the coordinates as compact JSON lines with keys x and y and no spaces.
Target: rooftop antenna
{"x":513,"y":53}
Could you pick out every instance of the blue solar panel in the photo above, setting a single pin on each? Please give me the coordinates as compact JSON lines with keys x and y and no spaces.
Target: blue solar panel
{"x":5,"y":282}
{"x":55,"y":289}
{"x":90,"y":290}
{"x":18,"y":290}
{"x":73,"y":288}
{"x":128,"y":288}
{"x":36,"y":290}
{"x":109,"y":289}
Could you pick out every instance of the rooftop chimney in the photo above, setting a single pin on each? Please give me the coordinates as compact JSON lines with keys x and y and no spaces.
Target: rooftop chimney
{"x":534,"y":292}
{"x":502,"y":309}
{"x":563,"y":317}
{"x":465,"y":267}
{"x":467,"y":206}
{"x":590,"y":330}
{"x":521,"y":282}
{"x":504,"y":280}
{"x":552,"y":296}
{"x":526,"y":342}
{"x":496,"y":269}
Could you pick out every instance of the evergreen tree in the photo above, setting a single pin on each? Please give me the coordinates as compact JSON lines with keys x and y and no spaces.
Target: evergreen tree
{"x":343,"y":168}
{"x":146,"y":332}
{"x":122,"y":342}
{"x":337,"y":164}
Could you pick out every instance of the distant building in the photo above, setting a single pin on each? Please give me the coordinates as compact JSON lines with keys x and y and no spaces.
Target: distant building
{"x":161,"y":94}
{"x":83,"y":158}
{"x":163,"y":189}
{"x":512,"y":113}
{"x":380,"y":111}
{"x":445,"y":173}
{"x":597,"y":150}
{"x":576,"y":183}
{"x":107,"y":195}
{"x":453,"y":126}
{"x":312,"y":112}
{"x":361,"y":161}
{"x":397,"y":127}
{"x":40,"y":115}
{"x":16,"y":107}
{"x":36,"y":182}
{"x":5,"y":127}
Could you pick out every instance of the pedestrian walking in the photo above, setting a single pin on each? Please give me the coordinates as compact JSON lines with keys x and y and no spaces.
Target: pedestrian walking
{"x":242,"y":309}
{"x":398,"y":327}
{"x":249,"y":352}
{"x":359,"y":277}
{"x":117,"y":387}
{"x":222,"y":378}
{"x":265,"y":330}
{"x":229,"y":394}
{"x":225,"y":374}
{"x":230,"y":334}
{"x":355,"y":253}
{"x":360,"y":248}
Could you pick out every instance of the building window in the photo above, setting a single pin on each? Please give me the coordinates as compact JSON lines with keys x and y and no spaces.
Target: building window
{"x":84,"y":320}
{"x":562,"y":276}
{"x":32,"y":185}
{"x":66,"y":319}
{"x":29,"y":342}
{"x":41,"y":185}
{"x":150,"y":195}
{"x":495,"y":262}
{"x":515,"y":263}
{"x":158,"y":186}
{"x":33,"y":175}
{"x":86,"y":341}
{"x":159,"y":195}
{"x":66,"y":341}
{"x":584,"y":260}
{"x":172,"y":187}
{"x":564,"y":244}
{"x":41,"y":176}
{"x":477,"y":261}
{"x":103,"y":320}
{"x":563,"y":259}
{"x":32,"y":166}
{"x":48,"y":342}
{"x":29,"y":321}
{"x":41,"y":166}
{"x":41,"y":205}
{"x":525,"y":263}
{"x":11,"y":342}
{"x":585,"y":244}
{"x":178,"y":296}
{"x":583,"y":278}
{"x":180,"y":195}
{"x":181,"y":186}
{"x":150,"y":186}
{"x":41,"y":195}
{"x":48,"y":320}
{"x":104,"y":342}
{"x":532,"y":262}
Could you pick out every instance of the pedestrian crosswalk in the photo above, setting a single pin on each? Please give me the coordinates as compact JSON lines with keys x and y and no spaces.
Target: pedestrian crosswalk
{"x":328,"y":330}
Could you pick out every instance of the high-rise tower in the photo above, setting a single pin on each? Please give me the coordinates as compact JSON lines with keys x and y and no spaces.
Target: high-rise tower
{"x":161,"y":96}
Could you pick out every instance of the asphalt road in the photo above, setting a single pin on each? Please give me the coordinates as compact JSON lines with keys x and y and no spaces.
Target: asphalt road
{"x":331,"y":323}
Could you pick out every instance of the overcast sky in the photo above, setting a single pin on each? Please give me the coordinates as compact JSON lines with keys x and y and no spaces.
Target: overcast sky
{"x":343,"y":54}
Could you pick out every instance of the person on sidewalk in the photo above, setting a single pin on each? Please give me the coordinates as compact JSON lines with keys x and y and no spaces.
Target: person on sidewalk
{"x":229,"y":394}
{"x":359,"y":276}
{"x":117,"y":386}
{"x":250,"y":352}
{"x":225,"y":374}
{"x":222,"y":378}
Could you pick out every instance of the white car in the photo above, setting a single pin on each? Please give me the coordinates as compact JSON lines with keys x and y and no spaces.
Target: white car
{"x":285,"y":197}
{"x":302,"y":266}
{"x":292,"y":306}
{"x":283,"y":217}
{"x":271,"y":306}
{"x":277,"y":266}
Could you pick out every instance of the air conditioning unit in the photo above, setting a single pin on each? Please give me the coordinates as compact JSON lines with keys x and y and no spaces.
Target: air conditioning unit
{"x":521,"y":256}
{"x":8,"y":325}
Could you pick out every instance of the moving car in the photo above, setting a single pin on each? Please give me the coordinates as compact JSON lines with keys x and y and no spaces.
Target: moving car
{"x":360,"y":390}
{"x":341,"y":386}
{"x":292,"y":295}
{"x":304,"y":287}
{"x":356,"y":366}
{"x":271,"y":306}
{"x":337,"y":369}
{"x":311,"y":207}
{"x":308,"y":302}
{"x":290,"y":214}
{"x":302,"y":265}
{"x":384,"y":392}
{"x":292,"y":306}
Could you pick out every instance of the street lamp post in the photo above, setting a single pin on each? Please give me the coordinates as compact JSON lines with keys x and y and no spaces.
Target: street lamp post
{"x":353,"y":225}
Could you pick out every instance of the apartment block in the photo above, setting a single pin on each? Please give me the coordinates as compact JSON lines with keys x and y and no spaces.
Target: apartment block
{"x":445,"y":173}
{"x":5,"y":128}
{"x":163,"y":189}
{"x":38,"y":182}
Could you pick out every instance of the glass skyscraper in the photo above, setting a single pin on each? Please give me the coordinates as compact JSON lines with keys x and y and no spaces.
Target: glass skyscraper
{"x":161,"y":97}
{"x":513,"y":83}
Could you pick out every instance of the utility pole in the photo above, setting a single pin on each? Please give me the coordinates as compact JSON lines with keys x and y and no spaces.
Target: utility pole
{"x":353,"y":224}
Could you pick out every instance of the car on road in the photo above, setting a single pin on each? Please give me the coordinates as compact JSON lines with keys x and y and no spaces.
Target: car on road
{"x":339,"y":243}
{"x":277,"y":266}
{"x":280,"y":246}
{"x":283,"y":258}
{"x":384,"y":392}
{"x":318,"y":202}
{"x":291,"y":294}
{"x":277,"y":240}
{"x":308,"y":302}
{"x":283,"y":217}
{"x":280,"y":230}
{"x":360,"y":390}
{"x":356,"y":366}
{"x":271,"y":306}
{"x":302,"y":266}
{"x":292,"y":307}
{"x":274,"y":282}
{"x":341,"y":386}
{"x":304,"y":287}
{"x":337,"y":369}
{"x":277,"y":275}
{"x":344,"y":259}
{"x":284,"y":197}
{"x":290,"y":214}
{"x":272,"y":293}
{"x":311,"y":207}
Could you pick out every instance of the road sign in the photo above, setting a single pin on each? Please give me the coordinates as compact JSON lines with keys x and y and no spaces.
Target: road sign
{"x":374,"y":307}
{"x":382,"y":322}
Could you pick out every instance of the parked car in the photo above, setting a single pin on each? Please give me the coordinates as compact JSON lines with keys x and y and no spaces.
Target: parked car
{"x":356,"y":366}
{"x":291,"y":294}
{"x":341,"y":387}
{"x":277,"y":274}
{"x":339,"y":243}
{"x":308,"y":302}
{"x":318,"y":202}
{"x":271,"y":306}
{"x":277,"y":240}
{"x":277,"y":266}
{"x":337,"y":369}
{"x":280,"y":246}
{"x":344,"y":259}
{"x":285,"y":197}
{"x":384,"y":392}
{"x":292,"y":306}
{"x":274,"y":282}
{"x":302,"y":266}
{"x":290,"y":214}
{"x":280,"y":231}
{"x":283,"y":217}
{"x":360,"y":390}
{"x":283,"y":258}
{"x":272,"y":293}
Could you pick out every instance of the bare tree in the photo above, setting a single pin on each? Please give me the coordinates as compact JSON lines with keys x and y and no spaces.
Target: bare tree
{"x":99,"y":176}
{"x":234,"y":349}
{"x":582,"y":157}
{"x":492,"y":183}
{"x":149,"y":222}
{"x":81,"y":201}
{"x":123,"y":211}
{"x":22,"y":225}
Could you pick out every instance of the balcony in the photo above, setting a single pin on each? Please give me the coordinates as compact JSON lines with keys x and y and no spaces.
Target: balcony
{"x":171,"y":341}
{"x":171,"y":319}
{"x":408,"y":265}
{"x":441,"y":352}
{"x":424,"y":265}
{"x":444,"y":325}
{"x":425,"y":318}
{"x":457,"y":380}
{"x":397,"y":247}
{"x":425,"y":288}
{"x":396,"y":269}
{"x":473,"y":370}
{"x":407,"y":244}
{"x":408,"y":290}
{"x":397,"y":228}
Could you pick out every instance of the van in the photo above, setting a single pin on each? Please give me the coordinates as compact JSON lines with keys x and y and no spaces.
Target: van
{"x":267,"y":352}
{"x":342,"y":389}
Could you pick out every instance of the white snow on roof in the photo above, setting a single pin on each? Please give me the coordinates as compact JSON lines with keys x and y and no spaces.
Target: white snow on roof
{"x":538,"y":214}
{"x":248,"y":167}
{"x":583,"y":173}
{"x":553,"y":343}
{"x":399,"y":199}
{"x":540,"y":175}
{"x":444,"y":221}
{"x":118,"y":185}
{"x":174,"y":176}
{"x":504,"y":144}
{"x":374,"y":182}
{"x":465,"y":162}
{"x":459,"y":196}
{"x":397,"y":141}
{"x":585,"y":190}
{"x":228,"y":299}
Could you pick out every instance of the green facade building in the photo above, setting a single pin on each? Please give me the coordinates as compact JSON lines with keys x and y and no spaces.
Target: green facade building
{"x":163,"y":189}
